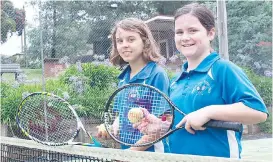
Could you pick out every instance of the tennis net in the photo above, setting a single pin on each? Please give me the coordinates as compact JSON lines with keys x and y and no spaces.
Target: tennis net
{"x":20,"y":150}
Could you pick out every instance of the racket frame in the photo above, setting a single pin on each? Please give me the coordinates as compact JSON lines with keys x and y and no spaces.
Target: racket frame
{"x":106,"y":114}
{"x":69,"y":142}
{"x":235,"y":126}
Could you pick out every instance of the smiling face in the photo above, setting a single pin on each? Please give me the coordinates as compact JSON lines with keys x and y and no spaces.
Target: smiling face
{"x":191,"y":37}
{"x":129,"y":45}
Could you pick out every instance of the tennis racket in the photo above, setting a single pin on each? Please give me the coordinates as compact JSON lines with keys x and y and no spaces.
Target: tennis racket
{"x":126,"y":103}
{"x":50,"y":120}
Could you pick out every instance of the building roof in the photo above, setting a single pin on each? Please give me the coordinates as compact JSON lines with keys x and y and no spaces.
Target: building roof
{"x":161,"y":23}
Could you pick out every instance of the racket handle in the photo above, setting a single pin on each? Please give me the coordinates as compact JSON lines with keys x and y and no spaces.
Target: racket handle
{"x":235,"y":126}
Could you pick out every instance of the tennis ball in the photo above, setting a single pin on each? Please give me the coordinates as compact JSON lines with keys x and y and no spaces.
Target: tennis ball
{"x":135,"y":115}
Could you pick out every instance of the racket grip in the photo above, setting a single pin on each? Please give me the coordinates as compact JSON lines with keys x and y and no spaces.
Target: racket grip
{"x":235,"y":126}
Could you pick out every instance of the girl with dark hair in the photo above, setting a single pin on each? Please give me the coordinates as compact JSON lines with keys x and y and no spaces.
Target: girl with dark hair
{"x":208,"y":88}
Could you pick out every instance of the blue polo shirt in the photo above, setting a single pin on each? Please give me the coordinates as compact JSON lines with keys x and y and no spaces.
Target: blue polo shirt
{"x":214,"y":82}
{"x":154,"y":75}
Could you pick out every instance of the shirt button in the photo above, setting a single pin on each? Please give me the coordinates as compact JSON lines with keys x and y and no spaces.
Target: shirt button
{"x":188,"y":78}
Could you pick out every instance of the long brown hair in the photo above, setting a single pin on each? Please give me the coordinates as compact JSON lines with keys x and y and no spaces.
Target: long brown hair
{"x":150,"y":51}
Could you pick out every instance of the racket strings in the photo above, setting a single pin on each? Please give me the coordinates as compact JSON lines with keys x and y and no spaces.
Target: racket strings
{"x":138,"y":97}
{"x":48,"y":119}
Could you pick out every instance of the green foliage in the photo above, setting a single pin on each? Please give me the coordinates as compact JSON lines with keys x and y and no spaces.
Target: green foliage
{"x":91,"y":102}
{"x":12,"y":19}
{"x":4,"y":90}
{"x":71,"y":71}
{"x":12,"y":95}
{"x":7,"y":19}
{"x":97,"y":83}
{"x":12,"y":98}
{"x":56,"y":87}
{"x":79,"y":22}
{"x":101,"y":76}
{"x":249,"y":25}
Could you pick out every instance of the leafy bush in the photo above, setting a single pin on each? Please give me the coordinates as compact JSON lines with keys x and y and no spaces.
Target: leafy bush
{"x":56,"y":87}
{"x":12,"y":95}
{"x":71,"y":71}
{"x":34,"y":64}
{"x":101,"y":76}
{"x":12,"y":99}
{"x":91,"y":102}
{"x":4,"y":90}
{"x":90,"y":85}
{"x":88,"y":91}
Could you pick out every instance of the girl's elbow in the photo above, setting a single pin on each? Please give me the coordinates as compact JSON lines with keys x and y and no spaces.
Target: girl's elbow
{"x":261,"y":117}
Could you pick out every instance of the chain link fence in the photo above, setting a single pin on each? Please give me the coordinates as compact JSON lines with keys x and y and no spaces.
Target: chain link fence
{"x":65,"y":46}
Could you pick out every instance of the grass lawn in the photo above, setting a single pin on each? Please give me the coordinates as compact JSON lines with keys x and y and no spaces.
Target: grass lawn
{"x":30,"y":74}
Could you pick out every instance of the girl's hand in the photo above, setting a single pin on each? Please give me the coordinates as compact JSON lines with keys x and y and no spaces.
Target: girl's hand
{"x":115,"y":127}
{"x":102,"y":133}
{"x":195,"y":120}
{"x":152,"y":125}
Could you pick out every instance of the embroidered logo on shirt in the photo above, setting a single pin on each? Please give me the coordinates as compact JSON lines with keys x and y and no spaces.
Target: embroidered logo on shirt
{"x":202,"y":87}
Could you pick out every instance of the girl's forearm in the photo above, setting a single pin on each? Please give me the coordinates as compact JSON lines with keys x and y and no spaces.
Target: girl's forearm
{"x":236,"y":112}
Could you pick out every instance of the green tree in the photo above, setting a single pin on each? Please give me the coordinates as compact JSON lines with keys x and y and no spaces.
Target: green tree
{"x":12,"y":19}
{"x":8,"y":23}
{"x":77,"y":24}
{"x":249,"y":25}
{"x":63,"y":32}
{"x":68,"y":26}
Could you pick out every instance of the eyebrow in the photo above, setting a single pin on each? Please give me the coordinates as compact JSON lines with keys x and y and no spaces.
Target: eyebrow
{"x":189,"y":28}
{"x":192,"y":28}
{"x":131,"y":36}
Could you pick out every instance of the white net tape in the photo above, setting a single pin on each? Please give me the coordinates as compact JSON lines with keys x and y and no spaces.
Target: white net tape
{"x":116,"y":154}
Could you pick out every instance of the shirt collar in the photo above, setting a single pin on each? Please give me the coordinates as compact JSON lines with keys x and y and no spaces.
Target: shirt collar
{"x":143,"y":74}
{"x":204,"y":66}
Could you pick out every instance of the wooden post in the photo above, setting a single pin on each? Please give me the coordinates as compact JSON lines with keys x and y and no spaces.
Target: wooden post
{"x":222,"y":29}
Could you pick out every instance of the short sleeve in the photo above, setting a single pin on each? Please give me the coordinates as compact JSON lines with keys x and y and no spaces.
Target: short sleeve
{"x":236,"y":87}
{"x":161,"y":82}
